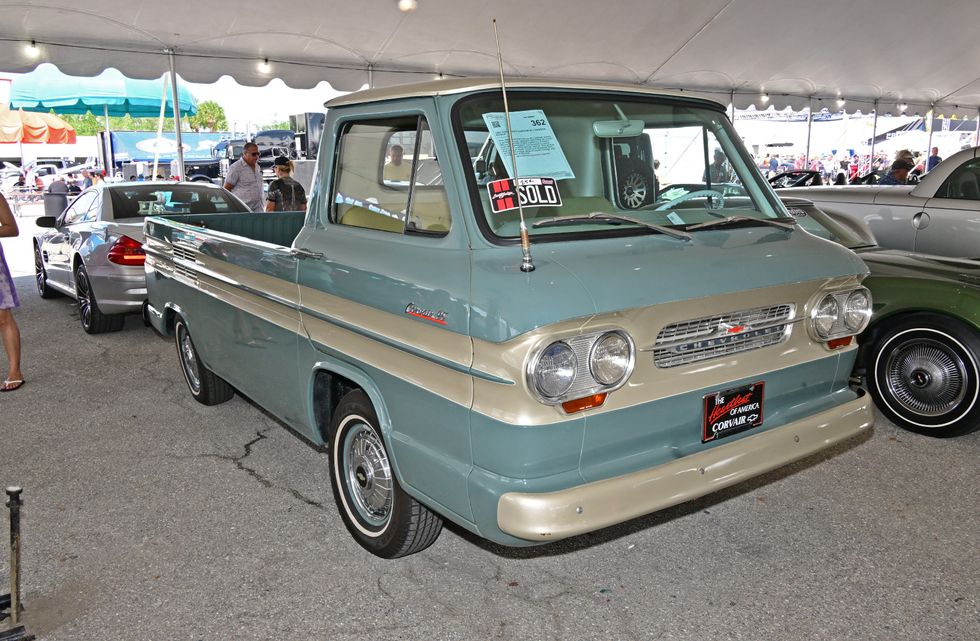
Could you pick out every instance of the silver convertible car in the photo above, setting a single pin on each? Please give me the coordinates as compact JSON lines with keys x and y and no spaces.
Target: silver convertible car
{"x":93,"y":251}
{"x":939,"y":216}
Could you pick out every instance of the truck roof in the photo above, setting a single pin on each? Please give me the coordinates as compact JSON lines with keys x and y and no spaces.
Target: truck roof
{"x":448,"y":86}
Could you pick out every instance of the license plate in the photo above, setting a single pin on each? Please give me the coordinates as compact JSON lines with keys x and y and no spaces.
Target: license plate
{"x":732,"y":411}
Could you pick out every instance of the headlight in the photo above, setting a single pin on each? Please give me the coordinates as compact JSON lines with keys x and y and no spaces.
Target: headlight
{"x":857,"y":310}
{"x":554,"y":371}
{"x":610,"y":359}
{"x":825,"y":315}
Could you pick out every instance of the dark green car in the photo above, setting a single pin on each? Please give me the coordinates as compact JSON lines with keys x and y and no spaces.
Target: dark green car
{"x":920,"y":354}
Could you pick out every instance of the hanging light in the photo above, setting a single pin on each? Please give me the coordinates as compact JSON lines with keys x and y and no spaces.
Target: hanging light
{"x":902,"y":106}
{"x":764,"y":98}
{"x":31,"y":50}
{"x":438,"y":76}
{"x":264,"y":66}
{"x":841,"y":102}
{"x":407,"y":6}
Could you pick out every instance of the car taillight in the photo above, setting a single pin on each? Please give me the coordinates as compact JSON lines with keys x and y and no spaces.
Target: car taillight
{"x":126,"y":251}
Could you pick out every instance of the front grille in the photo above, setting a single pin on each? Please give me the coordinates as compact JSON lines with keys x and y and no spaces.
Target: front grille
{"x":699,"y":339}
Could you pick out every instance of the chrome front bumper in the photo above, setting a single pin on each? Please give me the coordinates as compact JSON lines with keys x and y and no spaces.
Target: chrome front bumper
{"x":556,"y":515}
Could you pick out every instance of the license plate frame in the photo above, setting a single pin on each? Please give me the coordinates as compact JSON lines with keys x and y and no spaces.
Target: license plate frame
{"x":732,"y":411}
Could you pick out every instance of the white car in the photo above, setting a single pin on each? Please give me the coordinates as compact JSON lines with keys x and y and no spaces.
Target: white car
{"x":93,"y":251}
{"x":940,"y":215}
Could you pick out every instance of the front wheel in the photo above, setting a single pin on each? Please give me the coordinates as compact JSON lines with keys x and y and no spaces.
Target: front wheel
{"x":206,"y":387}
{"x":923,"y":375}
{"x":41,"y":276}
{"x":378,"y":513}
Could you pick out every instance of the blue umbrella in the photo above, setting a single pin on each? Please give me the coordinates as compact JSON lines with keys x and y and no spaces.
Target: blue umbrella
{"x":109,"y":93}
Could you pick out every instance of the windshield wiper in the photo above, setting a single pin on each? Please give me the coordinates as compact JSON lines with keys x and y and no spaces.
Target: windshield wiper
{"x":788,"y":224}
{"x":600,"y":217}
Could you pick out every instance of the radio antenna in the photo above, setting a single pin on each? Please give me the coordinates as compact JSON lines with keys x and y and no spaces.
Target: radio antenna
{"x":527,"y":265}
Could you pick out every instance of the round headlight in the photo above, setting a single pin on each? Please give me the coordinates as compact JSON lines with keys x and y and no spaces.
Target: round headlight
{"x":610,"y":359}
{"x":555,"y":370}
{"x":857,"y":310}
{"x":825,"y":315}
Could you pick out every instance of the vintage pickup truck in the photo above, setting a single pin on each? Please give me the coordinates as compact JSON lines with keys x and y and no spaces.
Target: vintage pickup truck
{"x":630,"y":356}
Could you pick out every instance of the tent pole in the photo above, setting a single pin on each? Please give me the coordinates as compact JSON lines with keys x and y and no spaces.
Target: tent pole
{"x":874,"y":134}
{"x":732,"y":96}
{"x":809,"y":130}
{"x":932,"y":124}
{"x":109,"y":158}
{"x":976,"y":138}
{"x":163,"y":111}
{"x":180,"y":142}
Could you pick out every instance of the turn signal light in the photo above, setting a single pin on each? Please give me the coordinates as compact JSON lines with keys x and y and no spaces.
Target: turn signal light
{"x":126,"y":251}
{"x":839,"y":342}
{"x":580,"y":404}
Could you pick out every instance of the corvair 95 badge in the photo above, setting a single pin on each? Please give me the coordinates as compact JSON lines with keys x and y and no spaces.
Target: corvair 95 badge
{"x":426,"y":314}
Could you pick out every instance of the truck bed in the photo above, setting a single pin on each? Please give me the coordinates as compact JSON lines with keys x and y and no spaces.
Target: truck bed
{"x":279,"y":228}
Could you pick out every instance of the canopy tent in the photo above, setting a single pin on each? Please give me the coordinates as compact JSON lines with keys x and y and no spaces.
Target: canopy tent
{"x":109,"y":93}
{"x":905,"y":52}
{"x":19,"y":126}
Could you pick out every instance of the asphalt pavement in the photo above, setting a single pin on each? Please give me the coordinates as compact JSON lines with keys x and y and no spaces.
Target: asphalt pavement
{"x":148,"y":517}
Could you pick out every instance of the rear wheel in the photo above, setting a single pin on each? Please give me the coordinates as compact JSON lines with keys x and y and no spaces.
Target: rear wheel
{"x":92,"y":319}
{"x":923,"y":374}
{"x":41,"y":276}
{"x":206,"y":387}
{"x":378,"y":513}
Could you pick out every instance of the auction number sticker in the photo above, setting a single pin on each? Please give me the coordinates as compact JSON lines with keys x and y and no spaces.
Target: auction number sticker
{"x":534,"y":192}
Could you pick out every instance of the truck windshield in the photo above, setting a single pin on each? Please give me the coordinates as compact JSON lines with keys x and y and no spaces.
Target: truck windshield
{"x":636,"y":162}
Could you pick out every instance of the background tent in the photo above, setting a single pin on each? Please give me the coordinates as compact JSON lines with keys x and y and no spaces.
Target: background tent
{"x":795,"y":53}
{"x":19,"y":126}
{"x":109,"y":93}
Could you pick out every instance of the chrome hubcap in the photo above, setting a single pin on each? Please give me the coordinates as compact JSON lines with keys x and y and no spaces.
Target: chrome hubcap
{"x":368,"y":473}
{"x":634,"y":190}
{"x":84,"y":294}
{"x":926,"y":377}
{"x":188,"y":359}
{"x":39,"y":276}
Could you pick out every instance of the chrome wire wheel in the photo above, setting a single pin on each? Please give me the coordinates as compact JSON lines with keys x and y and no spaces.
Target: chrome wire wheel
{"x":367,"y":474}
{"x":926,"y":377}
{"x":634,"y":190}
{"x":188,"y":359}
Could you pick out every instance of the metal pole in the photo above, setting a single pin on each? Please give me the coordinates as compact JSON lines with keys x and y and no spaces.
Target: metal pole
{"x":874,"y":134}
{"x":14,"y":503}
{"x":932,"y":125}
{"x":163,"y":111}
{"x":732,"y":96}
{"x":976,"y":138}
{"x":109,"y":159}
{"x":180,"y":142}
{"x":809,"y":130}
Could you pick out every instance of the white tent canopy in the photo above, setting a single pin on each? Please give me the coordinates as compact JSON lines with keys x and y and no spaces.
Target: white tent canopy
{"x":870,"y":53}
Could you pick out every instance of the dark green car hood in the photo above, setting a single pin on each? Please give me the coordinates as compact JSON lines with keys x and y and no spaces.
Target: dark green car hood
{"x":889,"y":263}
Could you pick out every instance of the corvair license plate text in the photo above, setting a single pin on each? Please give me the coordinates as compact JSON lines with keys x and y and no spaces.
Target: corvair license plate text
{"x":732,"y":411}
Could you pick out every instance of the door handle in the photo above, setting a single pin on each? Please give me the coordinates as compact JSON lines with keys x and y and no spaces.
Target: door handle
{"x":920,"y":220}
{"x":299,"y":252}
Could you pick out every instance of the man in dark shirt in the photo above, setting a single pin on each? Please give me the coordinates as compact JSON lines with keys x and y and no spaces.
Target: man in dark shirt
{"x":899,"y":173}
{"x":934,"y":159}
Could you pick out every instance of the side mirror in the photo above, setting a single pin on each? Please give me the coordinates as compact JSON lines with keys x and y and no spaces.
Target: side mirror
{"x":46,"y":221}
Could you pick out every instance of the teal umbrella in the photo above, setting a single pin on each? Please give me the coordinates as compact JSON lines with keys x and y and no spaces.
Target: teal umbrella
{"x":47,"y":88}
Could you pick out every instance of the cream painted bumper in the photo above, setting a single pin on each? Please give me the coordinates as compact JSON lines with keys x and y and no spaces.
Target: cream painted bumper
{"x":584,"y":508}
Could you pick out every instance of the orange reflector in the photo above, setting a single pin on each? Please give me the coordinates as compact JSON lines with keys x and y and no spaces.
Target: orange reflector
{"x":839,"y":342}
{"x":580,"y":404}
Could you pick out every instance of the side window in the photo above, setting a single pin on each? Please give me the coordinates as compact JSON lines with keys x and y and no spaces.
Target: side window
{"x":963,"y":183}
{"x":389,"y":179}
{"x":78,"y":211}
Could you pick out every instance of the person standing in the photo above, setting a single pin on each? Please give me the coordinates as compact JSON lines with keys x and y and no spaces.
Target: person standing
{"x":244,"y":177}
{"x":396,"y":170}
{"x":934,"y":159}
{"x":86,"y":179}
{"x":899,"y":173}
{"x":9,"y":332}
{"x":285,"y":193}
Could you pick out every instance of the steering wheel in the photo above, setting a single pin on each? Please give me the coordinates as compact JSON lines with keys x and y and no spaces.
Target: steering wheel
{"x":693,"y":194}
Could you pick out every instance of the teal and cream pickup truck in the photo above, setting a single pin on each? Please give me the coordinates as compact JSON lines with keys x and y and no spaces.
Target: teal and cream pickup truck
{"x":499,"y":313}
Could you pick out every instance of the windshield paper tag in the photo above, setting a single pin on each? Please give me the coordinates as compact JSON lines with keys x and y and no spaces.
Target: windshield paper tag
{"x":535,"y":192}
{"x":538,"y":151}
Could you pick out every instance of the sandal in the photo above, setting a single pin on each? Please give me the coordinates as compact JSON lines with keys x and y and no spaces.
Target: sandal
{"x":10,"y":386}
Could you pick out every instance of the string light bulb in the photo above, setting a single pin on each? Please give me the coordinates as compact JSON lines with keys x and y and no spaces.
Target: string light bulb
{"x":407,"y":6}
{"x":902,"y":107}
{"x":264,"y":66}
{"x":764,"y":97}
{"x":31,"y":50}
{"x":841,"y":102}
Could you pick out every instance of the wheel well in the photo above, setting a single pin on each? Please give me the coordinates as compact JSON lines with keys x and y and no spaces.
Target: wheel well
{"x":871,"y":335}
{"x":328,"y":389}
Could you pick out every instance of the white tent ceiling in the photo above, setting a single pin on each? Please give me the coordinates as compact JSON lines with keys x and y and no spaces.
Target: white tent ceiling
{"x":800,"y":53}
